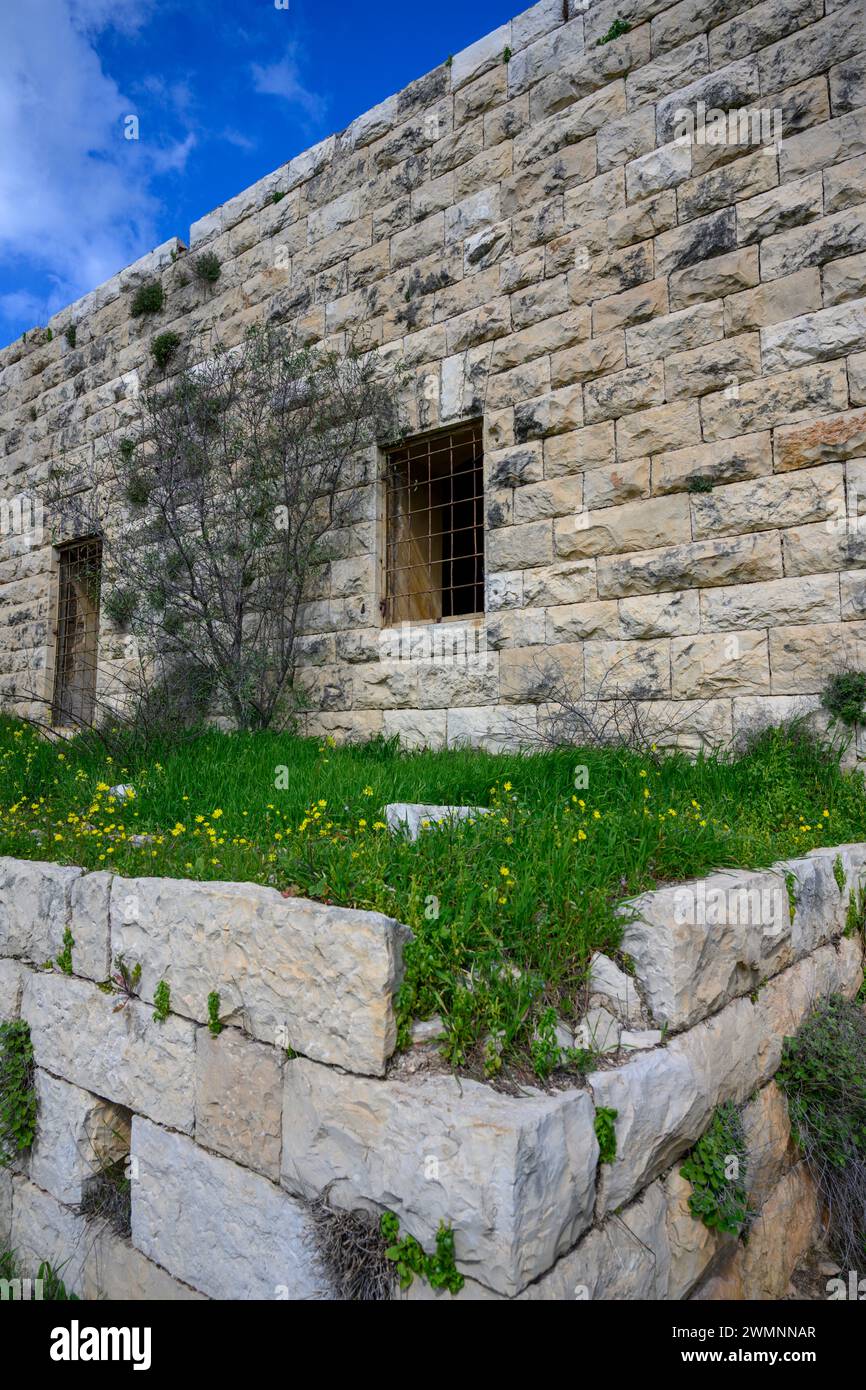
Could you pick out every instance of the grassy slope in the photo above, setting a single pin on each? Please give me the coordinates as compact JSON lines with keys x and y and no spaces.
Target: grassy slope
{"x":533,"y":886}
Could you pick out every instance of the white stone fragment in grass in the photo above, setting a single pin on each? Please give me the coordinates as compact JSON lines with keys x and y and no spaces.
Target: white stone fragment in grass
{"x":599,"y":1031}
{"x":411,"y":817}
{"x":123,"y":791}
{"x":616,"y":987}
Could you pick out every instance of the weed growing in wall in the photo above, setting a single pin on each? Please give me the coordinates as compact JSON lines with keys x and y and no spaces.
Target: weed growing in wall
{"x":411,"y":1258}
{"x":605,"y":1133}
{"x":163,"y":348}
{"x":616,"y":31}
{"x":124,"y":981}
{"x":71,"y":335}
{"x":207,"y":267}
{"x":716,"y":1169}
{"x":823,"y":1075}
{"x":17,"y":1090}
{"x":148,"y":299}
{"x":213,"y":1014}
{"x":844,"y":697}
{"x":162,"y":1002}
{"x":64,"y":960}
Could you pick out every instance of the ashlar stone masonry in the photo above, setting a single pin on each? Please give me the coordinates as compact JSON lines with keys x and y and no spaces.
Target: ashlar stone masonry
{"x":663,"y":335}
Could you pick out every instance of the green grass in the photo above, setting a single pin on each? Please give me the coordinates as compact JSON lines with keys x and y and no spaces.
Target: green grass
{"x":506,"y":910}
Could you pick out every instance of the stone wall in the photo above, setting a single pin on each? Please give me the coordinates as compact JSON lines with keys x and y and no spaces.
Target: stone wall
{"x":229,"y":1137}
{"x":663,"y":336}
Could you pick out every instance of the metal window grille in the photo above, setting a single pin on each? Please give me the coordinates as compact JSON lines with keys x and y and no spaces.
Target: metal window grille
{"x":77,"y":633}
{"x":435,"y":527}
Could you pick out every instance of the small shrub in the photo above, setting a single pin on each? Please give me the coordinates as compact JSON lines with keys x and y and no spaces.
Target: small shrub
{"x":213,"y":1014}
{"x":207,"y":267}
{"x":506,"y":55}
{"x":277,"y":196}
{"x":71,"y":335}
{"x":839,"y":873}
{"x":716,"y":1169}
{"x":605,"y":1133}
{"x":700,"y":484}
{"x":162,"y":1002}
{"x":164,"y":347}
{"x":823,"y":1075}
{"x":844,"y":697}
{"x":17,"y":1090}
{"x":616,"y":31}
{"x":148,"y":299}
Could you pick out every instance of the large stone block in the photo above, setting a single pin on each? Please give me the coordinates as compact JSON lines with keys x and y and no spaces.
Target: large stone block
{"x":120,"y":1054}
{"x":226,"y":1231}
{"x":116,"y":1271}
{"x":239,"y":1099}
{"x":315,"y":978}
{"x":513,"y":1175}
{"x":699,"y":944}
{"x":35,"y":907}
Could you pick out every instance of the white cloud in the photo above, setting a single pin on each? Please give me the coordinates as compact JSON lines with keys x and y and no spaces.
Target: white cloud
{"x":75,"y":198}
{"x":282,"y":79}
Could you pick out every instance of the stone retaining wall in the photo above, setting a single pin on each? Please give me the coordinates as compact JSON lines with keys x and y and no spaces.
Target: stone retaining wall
{"x":664,"y":338}
{"x":229,"y":1137}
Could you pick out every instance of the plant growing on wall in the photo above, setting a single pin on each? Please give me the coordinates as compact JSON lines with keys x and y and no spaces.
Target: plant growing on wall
{"x":412,"y":1259}
{"x":148,"y":299}
{"x":163,"y":348}
{"x":214,"y":1022}
{"x":162,"y":1002}
{"x":716,"y":1169}
{"x":844,"y":697}
{"x":17,"y":1090}
{"x":207,"y":267}
{"x":214,"y":509}
{"x":823,"y":1075}
{"x":64,"y":960}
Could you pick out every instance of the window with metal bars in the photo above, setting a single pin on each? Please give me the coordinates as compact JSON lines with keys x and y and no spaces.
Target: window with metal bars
{"x":435,"y":527}
{"x":77,"y":633}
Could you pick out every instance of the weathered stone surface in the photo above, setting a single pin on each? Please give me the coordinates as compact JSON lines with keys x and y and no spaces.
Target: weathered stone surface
{"x":12,"y":977}
{"x":811,"y":599}
{"x":239,"y":1099}
{"x":815,"y":337}
{"x":123,"y":1055}
{"x":45,"y":1230}
{"x":625,"y":1259}
{"x":514,"y":1176}
{"x":77,"y":1134}
{"x":324,"y":976}
{"x":613,"y":987}
{"x":702,"y":564}
{"x":116,"y":1271}
{"x":226,"y":1231}
{"x":35,"y":907}
{"x":787,"y":1227}
{"x":91,"y":954}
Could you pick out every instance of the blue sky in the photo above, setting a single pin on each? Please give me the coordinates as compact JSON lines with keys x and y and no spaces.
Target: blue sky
{"x":224,"y":91}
